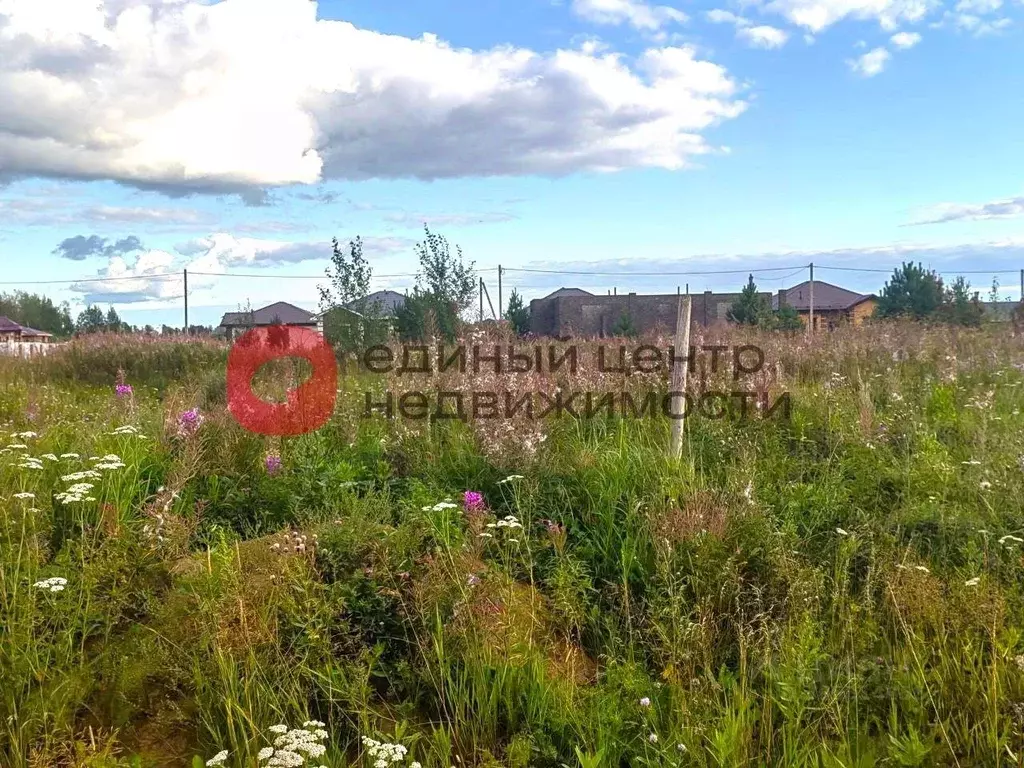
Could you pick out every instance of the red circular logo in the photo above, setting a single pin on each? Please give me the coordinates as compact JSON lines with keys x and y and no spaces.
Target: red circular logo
{"x":307,"y":408}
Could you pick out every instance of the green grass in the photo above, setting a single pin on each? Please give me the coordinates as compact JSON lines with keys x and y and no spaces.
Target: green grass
{"x":845,"y":589}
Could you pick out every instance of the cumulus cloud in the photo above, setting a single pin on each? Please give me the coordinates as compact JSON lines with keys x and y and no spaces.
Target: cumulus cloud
{"x":999,"y":209}
{"x":636,"y":13}
{"x":816,"y":15}
{"x":763,"y":36}
{"x":80,"y":247}
{"x":157,"y":275}
{"x":754,"y":35}
{"x":242,"y":95}
{"x":871,"y":63}
{"x":905,"y":40}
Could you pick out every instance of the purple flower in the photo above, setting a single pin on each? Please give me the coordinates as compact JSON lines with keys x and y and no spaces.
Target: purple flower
{"x":189,"y":422}
{"x":123,"y":390}
{"x":473,"y":501}
{"x":273,"y":464}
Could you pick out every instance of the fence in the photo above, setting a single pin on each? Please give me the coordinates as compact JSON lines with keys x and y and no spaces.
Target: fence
{"x":25,"y":348}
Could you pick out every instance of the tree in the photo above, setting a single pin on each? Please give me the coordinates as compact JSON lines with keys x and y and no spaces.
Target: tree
{"x":912,"y":291}
{"x":349,"y":275}
{"x":752,"y":308}
{"x":37,"y":312}
{"x":788,"y":319}
{"x":444,"y":290}
{"x":518,"y":314}
{"x":625,"y":326}
{"x":960,"y":306}
{"x":113,"y":322}
{"x":91,"y":320}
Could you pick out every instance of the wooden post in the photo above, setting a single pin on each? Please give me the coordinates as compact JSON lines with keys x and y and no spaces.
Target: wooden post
{"x":680,"y":369}
{"x":186,"y":301}
{"x":810,"y":323}
{"x":501,"y":306}
{"x":480,"y":289}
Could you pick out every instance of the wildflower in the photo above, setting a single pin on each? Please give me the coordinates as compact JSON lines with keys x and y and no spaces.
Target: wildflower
{"x":18,"y":447}
{"x":49,"y":457}
{"x":473,"y":501}
{"x":415,"y":764}
{"x":124,"y":390}
{"x":473,"y":580}
{"x":510,"y":478}
{"x":984,"y":485}
{"x":273,"y":465}
{"x":440,"y":506}
{"x":70,"y":456}
{"x":921,"y":568}
{"x":1013,"y":539}
{"x":218,"y":759}
{"x":265,"y":753}
{"x":681,"y":747}
{"x":653,"y":738}
{"x":1019,"y":661}
{"x":75,"y":477}
{"x":189,"y":422}
{"x":973,"y":582}
{"x":645,"y":702}
{"x":52,"y":584}
{"x":24,"y":495}
{"x":24,"y":435}
{"x":841,"y":532}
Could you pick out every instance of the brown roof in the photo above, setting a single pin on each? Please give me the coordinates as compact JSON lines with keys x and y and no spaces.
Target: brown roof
{"x":826,"y":297}
{"x":8,"y":326}
{"x":280,"y":312}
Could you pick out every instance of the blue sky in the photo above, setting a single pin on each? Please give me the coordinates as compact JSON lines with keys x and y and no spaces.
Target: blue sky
{"x":143,"y":137}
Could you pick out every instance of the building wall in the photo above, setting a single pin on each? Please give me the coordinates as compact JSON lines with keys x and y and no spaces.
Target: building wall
{"x":863,"y":311}
{"x":595,"y":316}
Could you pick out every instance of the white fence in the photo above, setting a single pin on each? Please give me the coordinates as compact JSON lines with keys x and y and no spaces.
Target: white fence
{"x":25,"y":348}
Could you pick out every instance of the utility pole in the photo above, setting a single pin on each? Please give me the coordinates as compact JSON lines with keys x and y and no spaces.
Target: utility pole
{"x":501,"y":305}
{"x":480,"y":289}
{"x":810,"y":324}
{"x":186,"y":302}
{"x":1022,"y":285}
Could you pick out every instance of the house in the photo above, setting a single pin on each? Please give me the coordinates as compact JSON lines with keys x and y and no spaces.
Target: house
{"x":280,"y":313}
{"x":379,"y":304}
{"x":832,"y":305}
{"x":574,"y":312}
{"x":12,"y":331}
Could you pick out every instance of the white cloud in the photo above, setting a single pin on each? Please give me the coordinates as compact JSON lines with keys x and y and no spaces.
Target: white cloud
{"x":998,"y":209}
{"x":816,"y":15}
{"x":905,"y":40}
{"x":976,"y":25}
{"x":871,"y":63}
{"x":756,"y":36}
{"x":980,"y":7}
{"x":157,"y":275}
{"x":239,"y":95}
{"x":636,"y":13}
{"x":763,"y":36}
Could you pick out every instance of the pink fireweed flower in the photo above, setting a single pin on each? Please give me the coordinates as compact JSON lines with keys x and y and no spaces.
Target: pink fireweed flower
{"x":473,"y":501}
{"x":273,"y":464}
{"x":123,"y":390}
{"x":189,"y":422}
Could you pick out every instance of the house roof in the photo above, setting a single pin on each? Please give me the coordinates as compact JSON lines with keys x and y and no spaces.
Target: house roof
{"x":280,"y":312}
{"x":826,"y":297}
{"x":25,"y":331}
{"x":388,"y":302}
{"x":7,"y":325}
{"x":562,"y":292}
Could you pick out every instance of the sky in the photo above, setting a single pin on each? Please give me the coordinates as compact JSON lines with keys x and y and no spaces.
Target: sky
{"x":639,"y":145}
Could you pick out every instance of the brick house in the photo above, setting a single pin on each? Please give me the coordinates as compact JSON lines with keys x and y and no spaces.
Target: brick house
{"x":574,"y":312}
{"x":234,"y":324}
{"x":833,"y":305}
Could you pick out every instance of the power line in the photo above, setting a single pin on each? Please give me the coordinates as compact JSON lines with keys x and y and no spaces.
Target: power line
{"x":91,"y":279}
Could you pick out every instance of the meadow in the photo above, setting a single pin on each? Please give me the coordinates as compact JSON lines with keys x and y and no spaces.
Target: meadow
{"x":839,"y":588}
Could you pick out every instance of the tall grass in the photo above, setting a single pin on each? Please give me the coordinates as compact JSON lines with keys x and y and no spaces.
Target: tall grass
{"x":842,"y":589}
